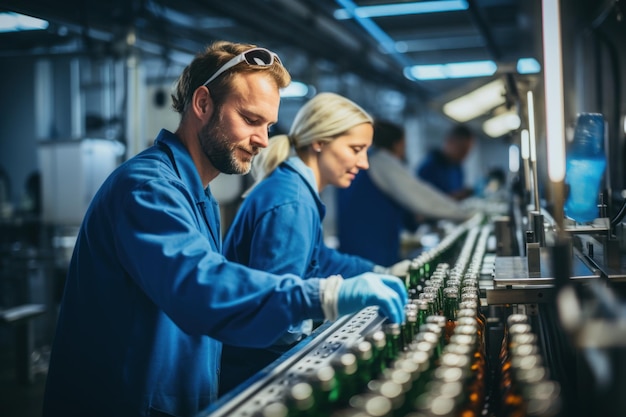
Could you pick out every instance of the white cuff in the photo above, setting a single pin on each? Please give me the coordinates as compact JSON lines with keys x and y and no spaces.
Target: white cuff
{"x":329,"y":294}
{"x":379,"y":269}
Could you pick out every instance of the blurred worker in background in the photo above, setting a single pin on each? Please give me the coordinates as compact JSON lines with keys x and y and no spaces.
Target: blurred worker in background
{"x":278,"y":228}
{"x":387,"y":199}
{"x":149,"y":297}
{"x":443,"y":167}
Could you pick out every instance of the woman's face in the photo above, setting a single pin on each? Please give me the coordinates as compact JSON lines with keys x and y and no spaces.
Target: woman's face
{"x":341,"y":159}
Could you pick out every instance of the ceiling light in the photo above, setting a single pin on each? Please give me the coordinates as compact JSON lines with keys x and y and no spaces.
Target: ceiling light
{"x":476,"y":103}
{"x":528,"y":66}
{"x":553,"y":82}
{"x":513,"y":158}
{"x":525,"y":144}
{"x":15,"y":22}
{"x":400,"y":9}
{"x":294,"y":89}
{"x":502,"y":124}
{"x":452,"y":70}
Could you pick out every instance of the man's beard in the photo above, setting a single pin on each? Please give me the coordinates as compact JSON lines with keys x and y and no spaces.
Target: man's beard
{"x":219,"y":150}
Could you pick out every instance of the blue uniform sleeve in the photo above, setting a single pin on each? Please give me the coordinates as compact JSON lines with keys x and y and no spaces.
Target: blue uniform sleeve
{"x":334,"y":262}
{"x":162,"y":240}
{"x":283,"y":240}
{"x":429,"y":172}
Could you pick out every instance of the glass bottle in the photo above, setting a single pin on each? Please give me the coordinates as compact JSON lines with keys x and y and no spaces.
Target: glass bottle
{"x":422,"y":311}
{"x":392,"y":347}
{"x":324,"y":387}
{"x":378,"y":341}
{"x":363,"y":352}
{"x":345,"y":367}
{"x":409,"y":328}
{"x":451,"y":295}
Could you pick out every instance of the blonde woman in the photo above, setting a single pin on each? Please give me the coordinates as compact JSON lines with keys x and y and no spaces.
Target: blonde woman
{"x":279,"y":225}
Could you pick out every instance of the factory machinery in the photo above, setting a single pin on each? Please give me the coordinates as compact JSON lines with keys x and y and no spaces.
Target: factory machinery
{"x":507,"y":317}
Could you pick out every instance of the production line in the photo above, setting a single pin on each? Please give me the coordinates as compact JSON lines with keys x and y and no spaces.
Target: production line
{"x":512,"y":337}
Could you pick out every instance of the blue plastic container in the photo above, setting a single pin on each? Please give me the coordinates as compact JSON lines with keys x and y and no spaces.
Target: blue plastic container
{"x":585,"y":165}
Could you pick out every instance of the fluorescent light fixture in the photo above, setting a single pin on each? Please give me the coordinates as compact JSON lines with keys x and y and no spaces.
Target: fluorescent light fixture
{"x":531,"y":125}
{"x":400,"y":9}
{"x":513,"y":158}
{"x":15,"y":22}
{"x":294,"y":89}
{"x":452,"y":70}
{"x":525,"y":144}
{"x":502,"y":124}
{"x":384,"y":40}
{"x":426,"y":72}
{"x":528,"y":66}
{"x":553,"y":82}
{"x":476,"y":103}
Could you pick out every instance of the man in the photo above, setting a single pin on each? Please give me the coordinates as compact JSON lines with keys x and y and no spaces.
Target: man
{"x":443,"y":167}
{"x":149,"y":297}
{"x":386,"y":199}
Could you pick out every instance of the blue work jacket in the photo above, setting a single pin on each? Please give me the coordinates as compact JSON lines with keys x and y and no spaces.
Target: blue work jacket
{"x":149,"y":297}
{"x":442,"y":173}
{"x":370,"y":221}
{"x":278,"y":228}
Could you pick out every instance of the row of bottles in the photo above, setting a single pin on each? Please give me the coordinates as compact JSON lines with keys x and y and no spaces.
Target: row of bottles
{"x":525,"y":386}
{"x":392,"y":371}
{"x":436,"y":363}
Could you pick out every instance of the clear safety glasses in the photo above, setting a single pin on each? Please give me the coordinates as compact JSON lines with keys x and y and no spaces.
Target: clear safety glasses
{"x":254,"y":56}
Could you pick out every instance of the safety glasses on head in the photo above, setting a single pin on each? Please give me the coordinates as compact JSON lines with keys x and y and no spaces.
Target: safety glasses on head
{"x":255,"y":56}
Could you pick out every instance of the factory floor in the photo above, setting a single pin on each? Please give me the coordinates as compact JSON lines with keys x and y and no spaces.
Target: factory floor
{"x":18,"y":399}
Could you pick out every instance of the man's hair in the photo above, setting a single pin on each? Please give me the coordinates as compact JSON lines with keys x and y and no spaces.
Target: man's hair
{"x":206,"y":63}
{"x":461,"y":131}
{"x":387,"y":134}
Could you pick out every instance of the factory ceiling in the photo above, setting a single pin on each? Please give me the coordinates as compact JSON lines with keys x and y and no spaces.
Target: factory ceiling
{"x":341,"y":36}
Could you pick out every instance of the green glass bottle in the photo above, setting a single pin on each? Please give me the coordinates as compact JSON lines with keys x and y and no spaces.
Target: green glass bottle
{"x":451,"y":305}
{"x":345,"y":367}
{"x":392,"y":347}
{"x":378,"y":341}
{"x":363,"y":351}
{"x":409,"y":328}
{"x":422,"y":311}
{"x":324,"y":385}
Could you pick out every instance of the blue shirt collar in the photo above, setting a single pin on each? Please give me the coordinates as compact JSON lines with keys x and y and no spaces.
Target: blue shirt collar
{"x":183,"y":164}
{"x":307,"y":173}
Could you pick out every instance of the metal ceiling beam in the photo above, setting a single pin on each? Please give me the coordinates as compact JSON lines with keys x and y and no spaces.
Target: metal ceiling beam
{"x":493,"y":49}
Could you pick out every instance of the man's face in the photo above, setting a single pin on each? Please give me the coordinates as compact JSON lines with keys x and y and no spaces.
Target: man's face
{"x":238,"y":129}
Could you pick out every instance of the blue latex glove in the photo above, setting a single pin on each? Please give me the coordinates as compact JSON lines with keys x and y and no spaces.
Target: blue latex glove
{"x":371,"y":289}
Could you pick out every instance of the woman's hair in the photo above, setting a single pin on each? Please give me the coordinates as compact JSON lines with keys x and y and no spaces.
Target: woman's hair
{"x":206,"y":63}
{"x":323,"y":118}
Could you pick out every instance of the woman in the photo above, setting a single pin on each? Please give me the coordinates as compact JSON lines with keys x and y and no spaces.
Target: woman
{"x":279,"y":225}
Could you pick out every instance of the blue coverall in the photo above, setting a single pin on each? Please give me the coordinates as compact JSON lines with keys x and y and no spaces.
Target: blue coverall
{"x":149,"y":297}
